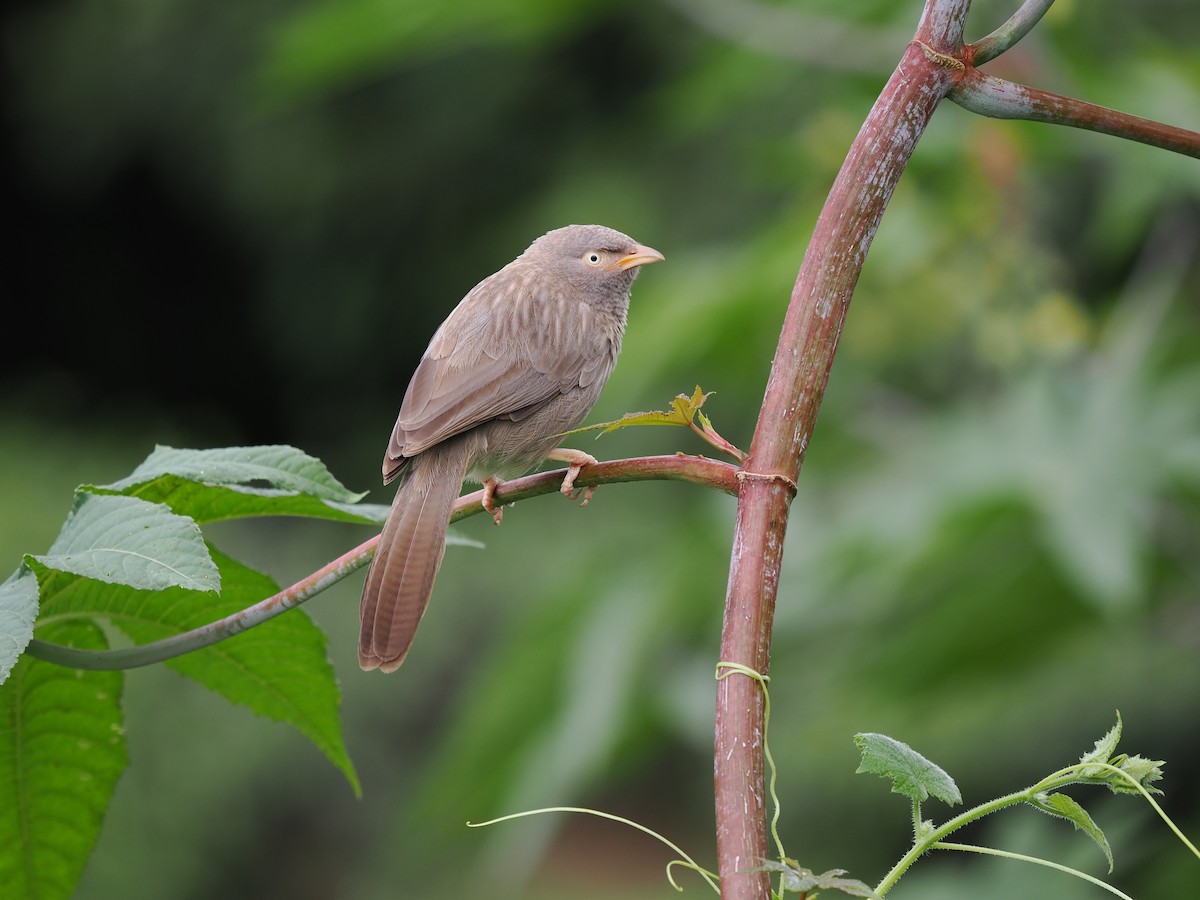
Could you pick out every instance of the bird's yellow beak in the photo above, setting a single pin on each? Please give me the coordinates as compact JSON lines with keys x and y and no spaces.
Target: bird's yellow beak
{"x":639,"y":257}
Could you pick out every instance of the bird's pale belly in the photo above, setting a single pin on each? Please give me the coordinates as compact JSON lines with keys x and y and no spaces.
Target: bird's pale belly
{"x":508,"y":451}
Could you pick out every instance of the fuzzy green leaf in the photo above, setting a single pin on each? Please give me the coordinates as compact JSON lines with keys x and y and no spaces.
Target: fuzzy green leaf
{"x":236,"y":482}
{"x":1143,"y":771}
{"x":911,"y":773}
{"x":1065,"y":807}
{"x":62,"y":749}
{"x":18,"y":610}
{"x":1103,"y":751}
{"x":124,"y":540}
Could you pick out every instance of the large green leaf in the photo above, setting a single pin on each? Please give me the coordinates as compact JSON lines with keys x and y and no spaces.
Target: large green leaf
{"x":277,"y":465}
{"x":62,"y":748}
{"x":213,"y":503}
{"x":149,"y":571}
{"x":278,"y":669}
{"x":18,"y":610}
{"x":236,"y":482}
{"x":124,"y":540}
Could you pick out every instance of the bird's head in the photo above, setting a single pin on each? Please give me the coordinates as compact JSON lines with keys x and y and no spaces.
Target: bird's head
{"x":601,"y":261}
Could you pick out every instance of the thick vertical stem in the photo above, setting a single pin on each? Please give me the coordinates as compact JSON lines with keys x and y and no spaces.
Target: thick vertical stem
{"x":794,"y":390}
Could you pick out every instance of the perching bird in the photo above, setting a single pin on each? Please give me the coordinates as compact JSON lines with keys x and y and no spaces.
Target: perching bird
{"x":519,"y":361}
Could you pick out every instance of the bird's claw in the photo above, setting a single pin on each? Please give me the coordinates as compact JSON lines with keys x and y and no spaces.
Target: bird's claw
{"x":568,"y":484}
{"x":489,"y":499}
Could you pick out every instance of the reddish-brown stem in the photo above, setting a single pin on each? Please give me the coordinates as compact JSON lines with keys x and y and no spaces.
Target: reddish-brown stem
{"x":935,"y":65}
{"x":793,"y":395}
{"x":1000,"y":99}
{"x":680,"y":467}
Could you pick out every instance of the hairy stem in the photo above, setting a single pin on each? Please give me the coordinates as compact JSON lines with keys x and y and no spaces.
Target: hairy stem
{"x":924,"y":843}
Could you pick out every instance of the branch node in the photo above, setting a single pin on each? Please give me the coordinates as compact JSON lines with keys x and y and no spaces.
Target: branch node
{"x":743,"y":475}
{"x":941,"y":59}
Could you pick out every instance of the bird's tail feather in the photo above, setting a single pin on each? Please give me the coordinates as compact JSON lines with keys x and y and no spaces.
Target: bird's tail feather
{"x":401,"y":575}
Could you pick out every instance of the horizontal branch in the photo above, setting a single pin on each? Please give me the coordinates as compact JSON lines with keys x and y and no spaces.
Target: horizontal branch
{"x":713,"y":473}
{"x":696,"y":469}
{"x":1000,"y":99}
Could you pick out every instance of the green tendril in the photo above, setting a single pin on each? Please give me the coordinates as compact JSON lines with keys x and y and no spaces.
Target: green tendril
{"x":724,"y":670}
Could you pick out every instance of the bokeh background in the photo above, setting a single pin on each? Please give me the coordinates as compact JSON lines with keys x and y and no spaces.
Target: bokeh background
{"x":240,"y":223}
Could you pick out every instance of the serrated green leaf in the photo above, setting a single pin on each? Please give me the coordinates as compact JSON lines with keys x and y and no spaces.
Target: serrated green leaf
{"x":1067,"y":808}
{"x":1103,"y":751}
{"x":911,"y":773}
{"x":279,"y":669}
{"x":656,"y":417}
{"x":124,"y":540}
{"x":18,"y":611}
{"x":801,"y":880}
{"x":238,"y":482}
{"x":217,"y":502}
{"x":244,"y":482}
{"x":276,"y":466}
{"x":683,"y":411}
{"x":686,"y":406}
{"x":62,"y":749}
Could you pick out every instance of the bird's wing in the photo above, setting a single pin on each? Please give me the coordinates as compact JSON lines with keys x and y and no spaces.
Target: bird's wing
{"x":507,"y":349}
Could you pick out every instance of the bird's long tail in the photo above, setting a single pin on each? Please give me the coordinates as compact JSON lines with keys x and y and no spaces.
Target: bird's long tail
{"x":401,"y":575}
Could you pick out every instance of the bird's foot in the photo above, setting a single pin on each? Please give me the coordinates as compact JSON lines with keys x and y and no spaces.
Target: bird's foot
{"x":489,"y":498}
{"x":576,"y":460}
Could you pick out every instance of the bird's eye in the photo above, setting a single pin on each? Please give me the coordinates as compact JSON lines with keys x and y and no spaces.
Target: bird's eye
{"x":592,"y":257}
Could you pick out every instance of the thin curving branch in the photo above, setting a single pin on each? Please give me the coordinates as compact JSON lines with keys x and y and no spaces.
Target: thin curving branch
{"x":1018,"y":25}
{"x":212,"y":633}
{"x":697,"y":469}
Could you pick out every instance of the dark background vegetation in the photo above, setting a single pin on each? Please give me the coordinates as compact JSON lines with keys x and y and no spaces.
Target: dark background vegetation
{"x":240,"y":223}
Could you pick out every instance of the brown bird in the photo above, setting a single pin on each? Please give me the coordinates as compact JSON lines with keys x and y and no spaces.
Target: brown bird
{"x":520,"y":360}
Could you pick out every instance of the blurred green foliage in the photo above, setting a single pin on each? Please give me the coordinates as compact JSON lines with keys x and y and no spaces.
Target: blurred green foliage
{"x":241,"y":223}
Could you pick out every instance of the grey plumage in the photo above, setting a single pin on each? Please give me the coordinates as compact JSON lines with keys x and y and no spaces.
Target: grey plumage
{"x":521,"y":359}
